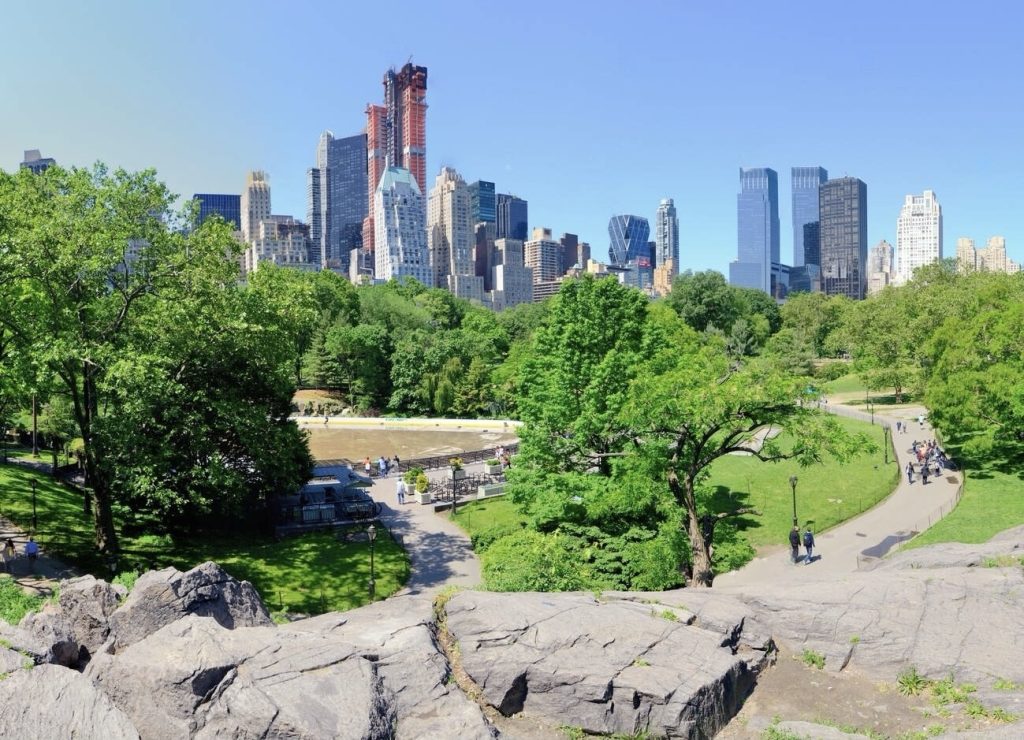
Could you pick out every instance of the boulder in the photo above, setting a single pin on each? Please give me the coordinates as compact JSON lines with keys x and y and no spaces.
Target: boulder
{"x":49,"y":638}
{"x":164,"y":596}
{"x":87,"y":604}
{"x":613,"y":667}
{"x":50,"y":701}
{"x":814,"y":731}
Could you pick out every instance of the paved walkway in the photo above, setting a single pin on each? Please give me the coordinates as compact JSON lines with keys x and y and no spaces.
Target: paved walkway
{"x":909,"y":509}
{"x":439,"y":551}
{"x":46,"y":574}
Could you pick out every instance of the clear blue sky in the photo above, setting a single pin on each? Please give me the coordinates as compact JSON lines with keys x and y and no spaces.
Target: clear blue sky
{"x":586,"y":110}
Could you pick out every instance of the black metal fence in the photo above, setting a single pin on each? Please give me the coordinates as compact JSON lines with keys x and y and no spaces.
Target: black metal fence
{"x":442,"y":461}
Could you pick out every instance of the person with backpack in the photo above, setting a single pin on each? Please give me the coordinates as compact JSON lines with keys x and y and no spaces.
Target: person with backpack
{"x":808,"y":545}
{"x":794,"y":543}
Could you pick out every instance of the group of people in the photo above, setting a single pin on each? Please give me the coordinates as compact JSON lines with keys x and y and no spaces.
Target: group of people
{"x":9,"y":554}
{"x":384,"y":466}
{"x":794,"y":544}
{"x":503,"y":457}
{"x":931,"y":460}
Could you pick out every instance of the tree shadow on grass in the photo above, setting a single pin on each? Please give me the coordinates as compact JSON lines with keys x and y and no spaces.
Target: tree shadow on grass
{"x":722,"y":499}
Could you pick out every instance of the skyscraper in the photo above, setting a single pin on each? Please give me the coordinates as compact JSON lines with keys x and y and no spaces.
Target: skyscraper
{"x":400,"y":226}
{"x":990,"y":258}
{"x":396,"y":134}
{"x":450,"y":236}
{"x":918,"y":233}
{"x":228,"y":207}
{"x":881,"y":267}
{"x":843,"y":207}
{"x":255,"y":203}
{"x":544,"y":255}
{"x":337,"y":198}
{"x":36,"y":162}
{"x":570,"y":251}
{"x":482,"y":202}
{"x":757,"y":247}
{"x":512,"y":218}
{"x":628,"y":235}
{"x":806,"y":183}
{"x":666,"y":235}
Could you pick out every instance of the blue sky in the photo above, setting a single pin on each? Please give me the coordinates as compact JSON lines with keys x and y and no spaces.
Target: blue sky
{"x":586,"y":110}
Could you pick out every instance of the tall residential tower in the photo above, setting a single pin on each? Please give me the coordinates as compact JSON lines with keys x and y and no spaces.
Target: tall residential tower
{"x":400,"y":224}
{"x":666,"y":235}
{"x":918,"y":233}
{"x":255,"y":203}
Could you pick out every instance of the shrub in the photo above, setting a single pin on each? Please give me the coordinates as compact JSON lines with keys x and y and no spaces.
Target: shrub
{"x":530,"y":561}
{"x":486,"y":537}
{"x":455,"y":463}
{"x":126,"y":579}
{"x":422,"y":483}
{"x":492,"y":461}
{"x":411,"y":475}
{"x":832,"y":371}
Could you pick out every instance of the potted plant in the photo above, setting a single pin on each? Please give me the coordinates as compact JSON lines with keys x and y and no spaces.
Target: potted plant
{"x":492,"y":466}
{"x":423,"y":489}
{"x":457,"y":470}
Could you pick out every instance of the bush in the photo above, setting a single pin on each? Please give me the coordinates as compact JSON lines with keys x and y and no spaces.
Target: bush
{"x":832,"y":371}
{"x":492,"y":461}
{"x":486,"y":537}
{"x":411,"y":475}
{"x":455,"y":463}
{"x":126,"y":579}
{"x":422,"y":483}
{"x":531,"y":561}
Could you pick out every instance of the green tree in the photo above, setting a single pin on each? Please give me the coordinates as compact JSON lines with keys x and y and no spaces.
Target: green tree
{"x":360,"y":364}
{"x":704,"y":300}
{"x":884,"y":341}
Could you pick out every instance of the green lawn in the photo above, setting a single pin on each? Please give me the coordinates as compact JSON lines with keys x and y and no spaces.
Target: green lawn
{"x":827,"y":494}
{"x":311,"y":573}
{"x":992,"y":501}
{"x":850,"y":383}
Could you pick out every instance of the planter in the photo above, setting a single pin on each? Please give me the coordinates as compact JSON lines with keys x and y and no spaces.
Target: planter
{"x":458,"y":474}
{"x":493,"y":469}
{"x":423,"y":497}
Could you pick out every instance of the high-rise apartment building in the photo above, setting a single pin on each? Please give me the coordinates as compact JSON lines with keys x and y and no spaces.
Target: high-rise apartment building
{"x":227,"y":206}
{"x":666,"y":234}
{"x":757,"y":216}
{"x":881,"y":267}
{"x":628,"y":239}
{"x":400,"y":228}
{"x":806,"y":183}
{"x":990,"y":258}
{"x":483,"y":204}
{"x":843,"y":209}
{"x":451,"y":239}
{"x":396,"y":135}
{"x":36,"y":162}
{"x":512,"y":279}
{"x":279,"y":240}
{"x":254,"y":203}
{"x":544,"y":255}
{"x":512,"y":213}
{"x":337,"y":198}
{"x":918,"y":233}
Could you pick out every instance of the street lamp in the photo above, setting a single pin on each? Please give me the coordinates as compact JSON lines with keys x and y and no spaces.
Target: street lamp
{"x":885,"y":435}
{"x":792,"y":484}
{"x":34,"y":525}
{"x":371,"y":532}
{"x":454,"y":491}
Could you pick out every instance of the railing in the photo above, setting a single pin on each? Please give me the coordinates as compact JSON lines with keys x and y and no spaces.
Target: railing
{"x":435,"y":462}
{"x":445,"y":489}
{"x":327,"y":513}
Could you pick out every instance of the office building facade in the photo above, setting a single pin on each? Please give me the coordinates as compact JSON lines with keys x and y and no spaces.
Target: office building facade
{"x":757,"y":216}
{"x":512,"y":217}
{"x":881,"y":267}
{"x":254,"y":203}
{"x":400,"y":228}
{"x":511,"y":278}
{"x":843,"y":213}
{"x":227,"y":206}
{"x":628,"y":237}
{"x":918,"y":233}
{"x":483,"y":203}
{"x":806,"y":182}
{"x":666,"y":234}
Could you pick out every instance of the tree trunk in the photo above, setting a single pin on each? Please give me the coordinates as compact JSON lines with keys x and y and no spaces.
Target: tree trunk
{"x":701,"y":574}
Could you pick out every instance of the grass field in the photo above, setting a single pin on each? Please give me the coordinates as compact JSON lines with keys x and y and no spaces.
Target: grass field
{"x":311,"y":573}
{"x":991,"y":502}
{"x":846,"y":384}
{"x":827,"y":494}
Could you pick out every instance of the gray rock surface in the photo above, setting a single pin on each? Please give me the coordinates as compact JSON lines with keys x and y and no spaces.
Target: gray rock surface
{"x":53,"y":702}
{"x":87,"y":604}
{"x":618,"y":666}
{"x":48,"y":637}
{"x":161,"y":597}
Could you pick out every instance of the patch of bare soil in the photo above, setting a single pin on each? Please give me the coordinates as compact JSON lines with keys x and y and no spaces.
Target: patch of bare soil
{"x":792,"y":690}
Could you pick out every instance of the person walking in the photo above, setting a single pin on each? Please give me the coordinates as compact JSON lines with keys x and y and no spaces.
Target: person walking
{"x":8,"y":555}
{"x":401,"y":491}
{"x":396,"y":464}
{"x":367,"y":467}
{"x":899,"y":426}
{"x":809,"y":545}
{"x":382,"y":467}
{"x":924,"y":474}
{"x":910,"y":472}
{"x":32,"y":553}
{"x":794,"y":543}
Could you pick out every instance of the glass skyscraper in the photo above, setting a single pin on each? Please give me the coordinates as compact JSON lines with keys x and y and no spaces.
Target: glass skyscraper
{"x":628,"y":236}
{"x":843,"y":204}
{"x":757,"y":243}
{"x":667,"y":235}
{"x":511,"y":217}
{"x":338,"y":201}
{"x":806,"y":182}
{"x":482,"y":204}
{"x":228,"y":207}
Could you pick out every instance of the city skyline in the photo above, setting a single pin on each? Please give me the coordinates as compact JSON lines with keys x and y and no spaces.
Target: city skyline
{"x":205,"y":141}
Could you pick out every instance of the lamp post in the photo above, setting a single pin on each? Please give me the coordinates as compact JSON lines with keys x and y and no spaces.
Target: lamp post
{"x":792,"y":485}
{"x":371,"y":532}
{"x":455,"y":496}
{"x":885,"y":434}
{"x":34,"y":525}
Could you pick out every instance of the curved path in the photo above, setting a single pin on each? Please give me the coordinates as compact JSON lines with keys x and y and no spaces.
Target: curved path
{"x":909,"y":509}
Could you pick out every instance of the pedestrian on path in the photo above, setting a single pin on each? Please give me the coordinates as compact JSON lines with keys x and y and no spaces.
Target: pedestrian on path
{"x":382,"y":467}
{"x":924,"y":475}
{"x":9,"y":554}
{"x":32,"y":552}
{"x":910,"y":473}
{"x":401,"y":491}
{"x":367,"y":467}
{"x":794,"y":543}
{"x":809,"y":545}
